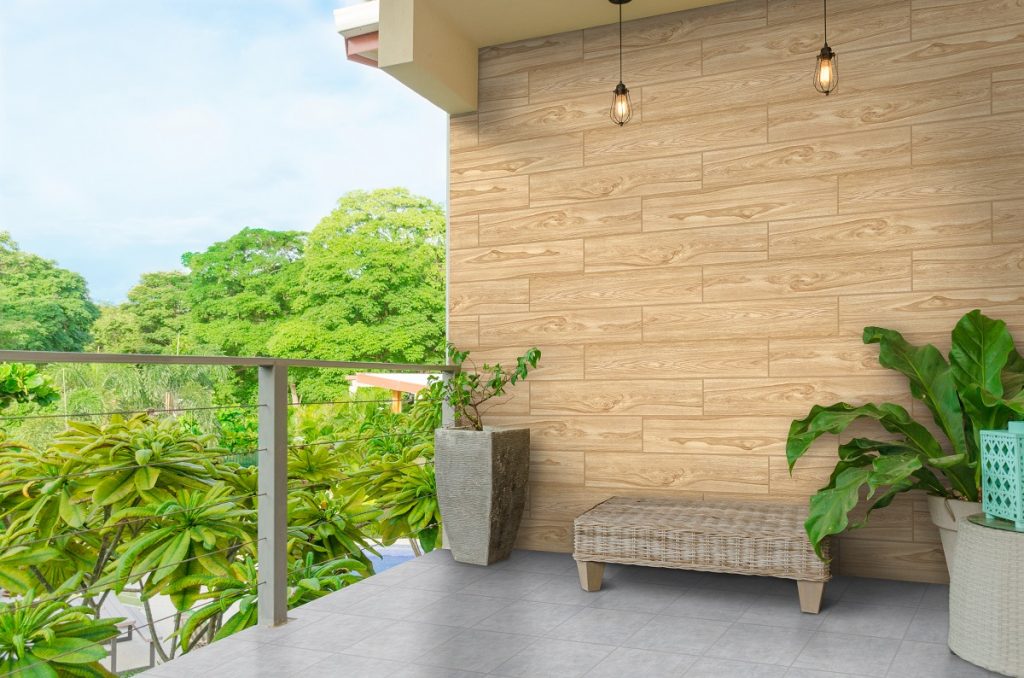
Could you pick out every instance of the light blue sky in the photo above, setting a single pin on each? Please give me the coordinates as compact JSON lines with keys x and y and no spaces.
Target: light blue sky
{"x":132,"y":131}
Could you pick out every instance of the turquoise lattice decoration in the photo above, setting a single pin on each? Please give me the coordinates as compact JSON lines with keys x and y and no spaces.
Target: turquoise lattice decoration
{"x":1002,"y":474}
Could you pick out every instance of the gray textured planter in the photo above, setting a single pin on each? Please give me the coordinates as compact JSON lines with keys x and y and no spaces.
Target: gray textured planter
{"x":481,"y":489}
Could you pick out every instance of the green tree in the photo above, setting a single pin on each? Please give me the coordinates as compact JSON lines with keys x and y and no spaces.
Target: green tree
{"x":160,"y":305}
{"x":42,"y":307}
{"x":372,"y":287}
{"x":116,"y":330}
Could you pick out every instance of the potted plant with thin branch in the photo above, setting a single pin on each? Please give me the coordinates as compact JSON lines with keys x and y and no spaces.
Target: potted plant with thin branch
{"x":481,"y":472}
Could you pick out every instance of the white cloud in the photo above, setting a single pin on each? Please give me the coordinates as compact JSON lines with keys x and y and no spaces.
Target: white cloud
{"x":131,"y":132}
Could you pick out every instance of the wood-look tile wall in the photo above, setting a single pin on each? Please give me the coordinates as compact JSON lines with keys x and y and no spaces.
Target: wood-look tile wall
{"x":700,"y":277}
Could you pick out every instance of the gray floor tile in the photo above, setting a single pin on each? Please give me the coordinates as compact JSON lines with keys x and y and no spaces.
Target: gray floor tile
{"x":936,"y":596}
{"x":627,"y":662}
{"x":345,"y":599}
{"x":709,"y":604}
{"x":528,"y":617}
{"x":350,"y":666}
{"x":444,"y":578}
{"x":884,"y":592}
{"x":618,"y":594}
{"x":596,"y":625}
{"x":662,"y":576}
{"x":401,"y":573}
{"x":540,"y":562}
{"x":932,"y":660}
{"x":203,"y":660}
{"x":930,"y":625}
{"x":272,"y":661}
{"x":420,"y":671}
{"x":506,"y":584}
{"x":882,"y":621}
{"x":404,"y":641}
{"x":812,"y":673}
{"x":772,"y":610}
{"x":737,"y":582}
{"x":459,"y":609}
{"x":677,"y":634}
{"x":763,"y":644}
{"x":710,"y":667}
{"x":548,"y":658}
{"x":841,"y":653}
{"x":564,"y":590}
{"x":476,"y":650}
{"x":324,"y":635}
{"x":395,"y":603}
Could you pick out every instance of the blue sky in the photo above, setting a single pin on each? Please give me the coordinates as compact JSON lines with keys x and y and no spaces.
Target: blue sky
{"x":132,"y":131}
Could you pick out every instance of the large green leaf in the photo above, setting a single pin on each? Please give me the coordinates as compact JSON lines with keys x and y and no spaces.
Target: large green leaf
{"x":981,"y":347}
{"x":70,"y":651}
{"x":830,"y":508}
{"x":931,"y":379}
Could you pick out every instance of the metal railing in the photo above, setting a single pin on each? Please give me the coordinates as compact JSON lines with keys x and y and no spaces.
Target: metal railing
{"x":271,"y":444}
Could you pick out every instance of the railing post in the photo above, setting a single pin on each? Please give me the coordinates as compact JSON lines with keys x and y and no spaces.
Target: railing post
{"x":272,"y":519}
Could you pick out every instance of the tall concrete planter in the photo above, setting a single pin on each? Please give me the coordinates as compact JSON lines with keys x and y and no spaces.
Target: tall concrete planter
{"x":481,"y":489}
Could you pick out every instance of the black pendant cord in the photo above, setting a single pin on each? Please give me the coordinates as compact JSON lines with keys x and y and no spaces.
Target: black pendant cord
{"x":620,"y":43}
{"x":825,"y":5}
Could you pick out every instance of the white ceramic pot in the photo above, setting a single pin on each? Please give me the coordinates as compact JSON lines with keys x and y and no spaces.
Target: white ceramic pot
{"x":946,"y":513}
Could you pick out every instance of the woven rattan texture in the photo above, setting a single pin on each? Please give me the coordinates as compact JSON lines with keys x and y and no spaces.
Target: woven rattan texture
{"x":756,"y":538}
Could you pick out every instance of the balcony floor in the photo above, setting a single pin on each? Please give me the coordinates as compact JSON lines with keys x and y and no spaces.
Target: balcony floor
{"x":527,"y":616}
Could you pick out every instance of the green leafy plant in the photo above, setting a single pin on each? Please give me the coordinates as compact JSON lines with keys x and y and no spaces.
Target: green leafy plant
{"x":979,"y":387}
{"x":53,"y":639}
{"x":20,"y":383}
{"x":469,"y":389}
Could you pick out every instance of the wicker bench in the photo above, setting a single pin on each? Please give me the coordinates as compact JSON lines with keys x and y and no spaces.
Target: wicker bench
{"x":741,"y":538}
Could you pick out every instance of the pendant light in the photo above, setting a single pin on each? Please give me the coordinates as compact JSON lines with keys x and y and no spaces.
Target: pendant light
{"x":622,"y":107}
{"x":826,"y":73}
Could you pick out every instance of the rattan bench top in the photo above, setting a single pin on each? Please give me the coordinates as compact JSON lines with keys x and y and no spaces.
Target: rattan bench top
{"x":755,"y":519}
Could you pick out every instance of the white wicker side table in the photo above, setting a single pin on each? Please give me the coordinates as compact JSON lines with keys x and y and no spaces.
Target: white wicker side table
{"x":986,"y":597}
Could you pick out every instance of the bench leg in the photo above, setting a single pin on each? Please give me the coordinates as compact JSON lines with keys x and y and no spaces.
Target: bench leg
{"x":810,"y":593}
{"x":590,"y":575}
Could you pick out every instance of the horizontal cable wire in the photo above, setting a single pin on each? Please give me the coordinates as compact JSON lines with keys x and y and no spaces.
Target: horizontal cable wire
{"x":356,"y":440}
{"x":103,"y":586}
{"x":226,"y":500}
{"x":339,"y":402}
{"x":118,"y":469}
{"x":152,"y":410}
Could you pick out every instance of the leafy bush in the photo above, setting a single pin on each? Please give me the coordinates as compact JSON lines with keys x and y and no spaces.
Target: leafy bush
{"x":20,"y":383}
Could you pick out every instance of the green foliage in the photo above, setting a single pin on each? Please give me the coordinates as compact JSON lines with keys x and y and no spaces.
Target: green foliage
{"x":980,"y":387}
{"x":468,"y":389}
{"x":21,"y":383}
{"x":53,"y":639}
{"x":44,"y":307}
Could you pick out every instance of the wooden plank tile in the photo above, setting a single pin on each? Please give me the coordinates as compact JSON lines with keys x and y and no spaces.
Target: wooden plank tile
{"x":984,"y":266}
{"x":464,"y":332}
{"x":556,"y":361}
{"x":503,"y":91}
{"x":489,"y":296}
{"x":686,"y":98}
{"x":906,"y":561}
{"x":623,"y":288}
{"x":646,"y":251}
{"x":563,"y":501}
{"x":1008,"y":222}
{"x":922,"y":315}
{"x":512,"y":261}
{"x":678,"y":360}
{"x":835,"y":357}
{"x":643,"y":67}
{"x":975,"y":139}
{"x":866,"y":105}
{"x":893,"y":523}
{"x":794,"y":397}
{"x":514,"y":57}
{"x":517,"y":157}
{"x":780,"y":278}
{"x":739,"y":204}
{"x":515,"y":402}
{"x":824,"y":237}
{"x":561,"y":222}
{"x":692,"y":472}
{"x":809,"y":474}
{"x":743,"y":435}
{"x":675,"y":28}
{"x":545,"y":535}
{"x":935,"y":18}
{"x":585,"y":434}
{"x":925,"y":531}
{"x":463,"y":231}
{"x":489,"y":195}
{"x":556,"y":466}
{"x":872,"y":150}
{"x":559,"y":327}
{"x":947,"y":184}
{"x":463,"y":131}
{"x":854,"y":29}
{"x":1008,"y":90}
{"x":790,"y":11}
{"x":626,"y":396}
{"x":738,"y":126}
{"x":559,"y":117}
{"x":811,"y":317}
{"x":619,"y":180}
